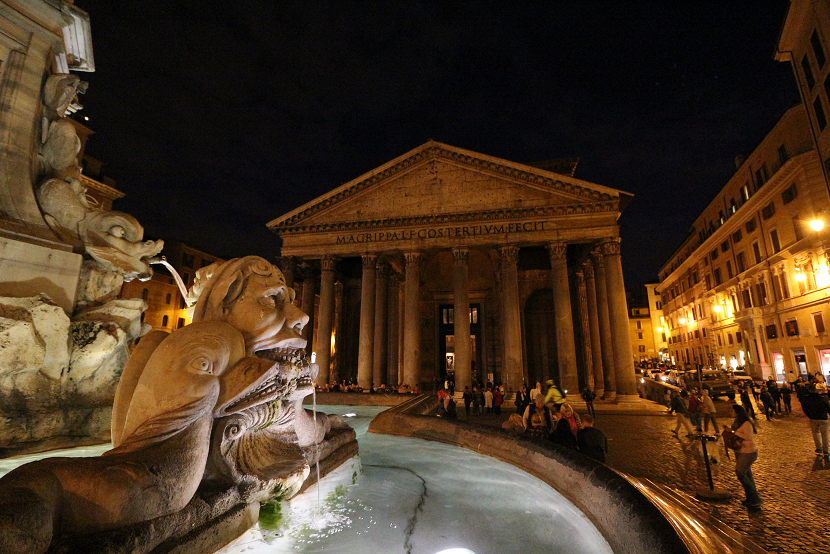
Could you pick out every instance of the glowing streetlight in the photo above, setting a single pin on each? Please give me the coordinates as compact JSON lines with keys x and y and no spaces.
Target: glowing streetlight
{"x":817,"y":225}
{"x":682,"y":321}
{"x":800,"y":277}
{"x":717,"y":308}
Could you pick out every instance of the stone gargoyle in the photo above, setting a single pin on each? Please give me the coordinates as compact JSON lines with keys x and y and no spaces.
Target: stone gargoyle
{"x":207,"y":423}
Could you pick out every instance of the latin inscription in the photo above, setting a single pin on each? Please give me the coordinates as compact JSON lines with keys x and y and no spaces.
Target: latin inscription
{"x":442,"y":232}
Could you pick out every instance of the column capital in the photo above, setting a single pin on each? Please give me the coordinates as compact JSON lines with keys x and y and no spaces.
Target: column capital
{"x":509,"y":254}
{"x":596,"y":254}
{"x":610,"y":247}
{"x":327,"y":263}
{"x":382,"y":269}
{"x":580,"y":276}
{"x":369,"y":260}
{"x":460,"y":255}
{"x":412,"y":258}
{"x":557,"y":250}
{"x":588,"y":270}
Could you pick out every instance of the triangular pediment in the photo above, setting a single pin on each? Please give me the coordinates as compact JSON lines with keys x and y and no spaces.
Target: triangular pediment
{"x":437,"y":180}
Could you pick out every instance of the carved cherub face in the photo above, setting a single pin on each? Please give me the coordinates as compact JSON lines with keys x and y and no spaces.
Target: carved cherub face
{"x":265,"y":315}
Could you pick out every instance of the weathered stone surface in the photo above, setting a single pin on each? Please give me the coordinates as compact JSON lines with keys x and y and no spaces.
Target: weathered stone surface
{"x":216,"y":408}
{"x":34,"y":337}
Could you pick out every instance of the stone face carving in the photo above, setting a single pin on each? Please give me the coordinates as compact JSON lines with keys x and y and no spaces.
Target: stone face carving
{"x":216,"y":404}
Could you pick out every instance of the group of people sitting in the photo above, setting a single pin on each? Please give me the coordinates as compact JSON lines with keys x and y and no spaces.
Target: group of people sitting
{"x":351,"y":386}
{"x":564,"y":427}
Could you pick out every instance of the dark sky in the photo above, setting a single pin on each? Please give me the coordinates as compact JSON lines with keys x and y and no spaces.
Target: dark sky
{"x":217,"y":117}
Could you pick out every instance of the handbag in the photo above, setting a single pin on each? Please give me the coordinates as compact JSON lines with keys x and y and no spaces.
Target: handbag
{"x":730,"y":439}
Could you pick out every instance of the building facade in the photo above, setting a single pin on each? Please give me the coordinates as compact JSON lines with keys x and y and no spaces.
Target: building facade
{"x":530,"y":257}
{"x":646,"y":327}
{"x":749,"y":285}
{"x":805,"y":43}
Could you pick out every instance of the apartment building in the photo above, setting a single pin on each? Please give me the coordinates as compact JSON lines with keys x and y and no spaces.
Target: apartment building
{"x":749,"y":285}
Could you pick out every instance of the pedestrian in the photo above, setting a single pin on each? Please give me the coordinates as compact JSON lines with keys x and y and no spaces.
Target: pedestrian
{"x":767,"y":402}
{"x":450,"y":410}
{"x":747,"y":404}
{"x":745,"y":456}
{"x":588,"y":396}
{"x":681,"y":413}
{"x":816,"y":407}
{"x":775,"y":393}
{"x":555,"y":396}
{"x":481,"y":400}
{"x":488,"y":400}
{"x":498,"y":399}
{"x":537,"y":391}
{"x":709,"y":412}
{"x":567,"y":427}
{"x":756,"y":393}
{"x":591,"y":441}
{"x":695,"y":408}
{"x":786,"y":396}
{"x":468,"y":400}
{"x":522,"y":400}
{"x":476,"y":401}
{"x":537,"y":419}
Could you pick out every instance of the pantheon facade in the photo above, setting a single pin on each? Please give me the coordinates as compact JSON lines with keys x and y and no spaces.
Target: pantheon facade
{"x":387,"y":263}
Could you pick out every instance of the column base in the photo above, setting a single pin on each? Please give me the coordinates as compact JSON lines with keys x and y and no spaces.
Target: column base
{"x":599,"y":392}
{"x":609,"y":395}
{"x":627,"y":398}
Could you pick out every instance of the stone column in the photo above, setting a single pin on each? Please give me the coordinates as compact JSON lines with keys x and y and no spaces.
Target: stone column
{"x":307,"y":305}
{"x":593,"y":328}
{"x":288,"y":265}
{"x":365,"y":354}
{"x":618,"y":313}
{"x":588,"y":355}
{"x":461,"y":327}
{"x":326,"y":316}
{"x":565,"y":349}
{"x":401,"y":328}
{"x":392,"y":333}
{"x":604,"y":320}
{"x":379,"y":361}
{"x":513,"y":372}
{"x":336,"y":373}
{"x":412,"y":320}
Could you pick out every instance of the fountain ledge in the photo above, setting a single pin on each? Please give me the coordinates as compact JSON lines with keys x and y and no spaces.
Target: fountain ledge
{"x":631,"y":517}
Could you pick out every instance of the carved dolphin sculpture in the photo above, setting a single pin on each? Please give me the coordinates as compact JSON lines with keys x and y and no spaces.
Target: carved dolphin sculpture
{"x":196,"y":374}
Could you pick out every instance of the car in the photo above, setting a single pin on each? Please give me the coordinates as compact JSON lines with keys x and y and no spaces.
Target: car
{"x":716,"y":381}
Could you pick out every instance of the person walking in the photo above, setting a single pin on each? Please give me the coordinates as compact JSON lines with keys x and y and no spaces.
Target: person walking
{"x":768,"y":402}
{"x":786,"y":396}
{"x":537,"y":391}
{"x":678,"y":405}
{"x":488,"y":401}
{"x":498,"y":399}
{"x":709,"y":412}
{"x":588,"y":396}
{"x":775,"y":393}
{"x":816,"y":407}
{"x":745,"y":456}
{"x":468,"y":400}
{"x":746,"y":402}
{"x":522,"y":400}
{"x":695,"y":408}
{"x":476,"y":401}
{"x":592,"y":441}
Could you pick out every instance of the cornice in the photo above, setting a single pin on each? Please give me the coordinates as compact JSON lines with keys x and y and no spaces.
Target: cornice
{"x":427,"y":220}
{"x":436,"y":152}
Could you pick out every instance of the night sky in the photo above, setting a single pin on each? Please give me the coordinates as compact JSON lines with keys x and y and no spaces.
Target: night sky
{"x":217,"y":117}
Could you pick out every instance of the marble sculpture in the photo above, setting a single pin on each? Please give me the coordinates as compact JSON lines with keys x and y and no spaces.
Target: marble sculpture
{"x":205,"y":420}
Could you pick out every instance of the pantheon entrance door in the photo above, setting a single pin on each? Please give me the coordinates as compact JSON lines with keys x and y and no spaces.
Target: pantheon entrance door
{"x":446,"y":342}
{"x":540,"y":338}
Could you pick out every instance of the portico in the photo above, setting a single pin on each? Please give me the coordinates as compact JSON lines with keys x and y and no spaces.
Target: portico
{"x":442,"y":243}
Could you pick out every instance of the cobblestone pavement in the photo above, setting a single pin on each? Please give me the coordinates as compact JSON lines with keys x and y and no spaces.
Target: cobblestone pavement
{"x":793,"y":482}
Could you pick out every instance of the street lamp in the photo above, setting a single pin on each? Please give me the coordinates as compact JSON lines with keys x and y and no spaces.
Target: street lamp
{"x":817,"y":225}
{"x":682,"y":321}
